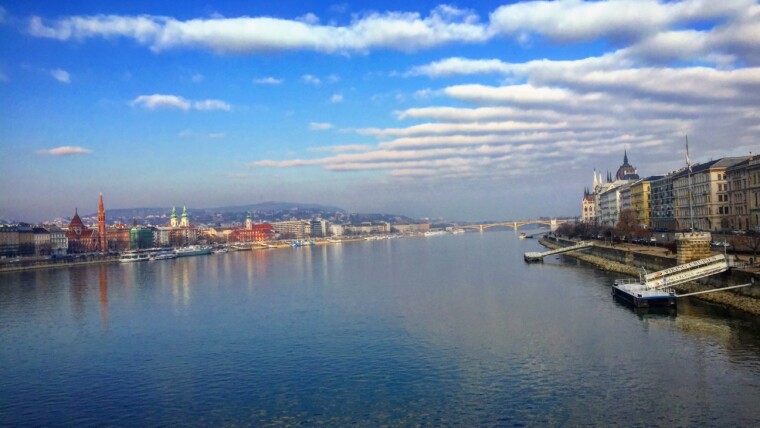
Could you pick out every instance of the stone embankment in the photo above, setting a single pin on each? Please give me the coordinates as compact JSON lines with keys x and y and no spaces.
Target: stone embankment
{"x":603,"y":259}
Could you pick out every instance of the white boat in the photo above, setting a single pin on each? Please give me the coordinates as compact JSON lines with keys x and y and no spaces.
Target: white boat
{"x":133,"y":256}
{"x":222,"y":250}
{"x":193,"y":250}
{"x":523,"y":235}
{"x":435,"y":232}
{"x":165,"y":255}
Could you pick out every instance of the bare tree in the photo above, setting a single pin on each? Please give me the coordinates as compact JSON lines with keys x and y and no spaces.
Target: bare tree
{"x":627,"y":224}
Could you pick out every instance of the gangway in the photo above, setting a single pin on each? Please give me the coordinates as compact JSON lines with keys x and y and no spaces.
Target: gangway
{"x":533,"y":256}
{"x":655,"y":289}
{"x":687,"y":272}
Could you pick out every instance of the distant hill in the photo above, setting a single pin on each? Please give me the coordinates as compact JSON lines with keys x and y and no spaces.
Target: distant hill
{"x":261,"y":207}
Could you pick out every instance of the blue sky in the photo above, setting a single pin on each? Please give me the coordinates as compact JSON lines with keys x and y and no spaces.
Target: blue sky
{"x":433,"y":109}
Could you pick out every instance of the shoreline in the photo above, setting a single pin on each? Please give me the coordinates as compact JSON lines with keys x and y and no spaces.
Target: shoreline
{"x":745,"y":304}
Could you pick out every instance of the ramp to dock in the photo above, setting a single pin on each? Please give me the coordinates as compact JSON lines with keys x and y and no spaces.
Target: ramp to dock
{"x":686,"y":272}
{"x":533,"y":256}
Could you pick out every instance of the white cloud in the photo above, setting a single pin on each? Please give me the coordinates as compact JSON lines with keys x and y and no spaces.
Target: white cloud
{"x":216,"y":135}
{"x":197,"y":78}
{"x":336,"y":98}
{"x":310,"y":79}
{"x":163,"y":101}
{"x":65,"y":151}
{"x":404,"y":31}
{"x":320,"y":126}
{"x":343,"y":148}
{"x":158,"y":101}
{"x":576,"y":20}
{"x":61,"y":75}
{"x":211,"y":105}
{"x":267,"y":81}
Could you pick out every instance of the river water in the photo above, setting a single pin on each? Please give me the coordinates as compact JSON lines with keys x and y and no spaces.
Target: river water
{"x":445,"y":330}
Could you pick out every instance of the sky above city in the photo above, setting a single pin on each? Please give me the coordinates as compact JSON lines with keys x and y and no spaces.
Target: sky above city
{"x":497,"y":110}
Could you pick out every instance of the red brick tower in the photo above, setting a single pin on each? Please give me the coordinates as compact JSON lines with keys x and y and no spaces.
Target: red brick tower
{"x":102,"y":239}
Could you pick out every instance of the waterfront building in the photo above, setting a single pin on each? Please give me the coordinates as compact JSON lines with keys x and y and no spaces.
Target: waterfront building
{"x":367,"y":228}
{"x":753,"y":193}
{"x":588,"y":213}
{"x":248,"y":221}
{"x":292,"y":229}
{"x":25,"y":239}
{"x":59,"y":244}
{"x":220,"y":234}
{"x":410,"y":227}
{"x":640,"y":201}
{"x":318,"y":228}
{"x":336,"y":229}
{"x":41,"y":241}
{"x":257,"y":232}
{"x":661,"y":201}
{"x":609,"y":203}
{"x":625,"y":196}
{"x":710,"y":208}
{"x":161,"y":236}
{"x":81,"y":238}
{"x":140,"y":237}
{"x":118,"y":237}
{"x":8,"y":240}
{"x":738,"y":195}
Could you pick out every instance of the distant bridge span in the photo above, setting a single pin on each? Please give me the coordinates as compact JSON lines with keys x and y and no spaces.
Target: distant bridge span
{"x":553,"y":223}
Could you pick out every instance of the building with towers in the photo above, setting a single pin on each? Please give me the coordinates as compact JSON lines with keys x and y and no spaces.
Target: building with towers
{"x":102,"y":235}
{"x":626,"y":170}
{"x":185,"y":219}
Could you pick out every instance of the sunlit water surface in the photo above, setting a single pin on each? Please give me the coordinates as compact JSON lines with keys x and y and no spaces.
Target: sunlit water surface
{"x":445,"y":330}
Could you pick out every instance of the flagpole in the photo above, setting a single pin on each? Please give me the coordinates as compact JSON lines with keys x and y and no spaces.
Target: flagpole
{"x":688,"y":164}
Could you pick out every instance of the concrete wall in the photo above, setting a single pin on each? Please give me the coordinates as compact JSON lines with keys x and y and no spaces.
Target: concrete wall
{"x":653,"y":263}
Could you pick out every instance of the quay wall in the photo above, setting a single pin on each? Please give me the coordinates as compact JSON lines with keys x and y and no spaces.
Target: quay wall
{"x":629,"y":262}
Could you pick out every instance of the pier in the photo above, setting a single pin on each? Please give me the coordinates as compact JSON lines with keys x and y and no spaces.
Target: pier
{"x":533,"y":256}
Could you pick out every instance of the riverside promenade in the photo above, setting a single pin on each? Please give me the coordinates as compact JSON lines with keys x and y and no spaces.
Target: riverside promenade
{"x":630,"y":258}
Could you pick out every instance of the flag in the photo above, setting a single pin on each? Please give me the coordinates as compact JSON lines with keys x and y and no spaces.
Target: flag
{"x":688,"y":162}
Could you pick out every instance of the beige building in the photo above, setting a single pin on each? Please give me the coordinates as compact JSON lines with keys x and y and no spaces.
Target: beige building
{"x":710,"y":207}
{"x":292,"y":229}
{"x":738,"y":195}
{"x":588,"y":209}
{"x":640,"y":201}
{"x":753,"y":194}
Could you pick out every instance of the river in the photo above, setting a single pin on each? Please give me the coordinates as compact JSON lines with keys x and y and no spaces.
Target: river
{"x":444,"y":330}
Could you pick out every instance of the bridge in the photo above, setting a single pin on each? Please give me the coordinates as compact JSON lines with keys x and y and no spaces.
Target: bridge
{"x":553,"y":223}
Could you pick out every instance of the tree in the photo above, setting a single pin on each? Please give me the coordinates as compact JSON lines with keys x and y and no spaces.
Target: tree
{"x":627,"y":224}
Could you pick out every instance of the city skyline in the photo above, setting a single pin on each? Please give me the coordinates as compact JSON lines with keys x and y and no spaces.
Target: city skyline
{"x":427,"y":110}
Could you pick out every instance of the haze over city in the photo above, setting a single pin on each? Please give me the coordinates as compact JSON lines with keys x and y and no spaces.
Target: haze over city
{"x":497,"y":111}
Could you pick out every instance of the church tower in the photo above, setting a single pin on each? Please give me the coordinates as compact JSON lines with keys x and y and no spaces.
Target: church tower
{"x":173,"y":221}
{"x":626,"y":170}
{"x":248,"y":222}
{"x":102,"y":238}
{"x":184,"y":221}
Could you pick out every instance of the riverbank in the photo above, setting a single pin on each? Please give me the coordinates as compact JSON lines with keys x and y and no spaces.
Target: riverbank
{"x":603,"y":259}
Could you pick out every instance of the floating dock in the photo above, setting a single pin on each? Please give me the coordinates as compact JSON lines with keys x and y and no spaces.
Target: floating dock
{"x":655,"y":289}
{"x":538,"y":257}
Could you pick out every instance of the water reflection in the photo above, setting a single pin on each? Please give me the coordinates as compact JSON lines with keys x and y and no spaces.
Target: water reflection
{"x":78,"y":292}
{"x":441,"y":331}
{"x":104,"y":297}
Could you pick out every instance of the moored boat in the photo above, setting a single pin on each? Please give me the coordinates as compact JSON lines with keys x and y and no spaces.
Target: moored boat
{"x":193,"y":250}
{"x":133,"y":256}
